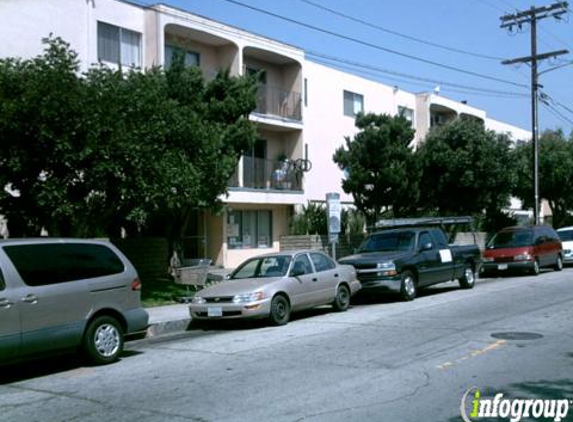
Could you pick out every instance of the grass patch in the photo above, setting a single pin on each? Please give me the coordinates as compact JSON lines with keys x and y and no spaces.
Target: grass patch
{"x":161,"y":291}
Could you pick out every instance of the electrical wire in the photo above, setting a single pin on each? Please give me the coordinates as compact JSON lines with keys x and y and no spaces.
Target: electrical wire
{"x":425,"y":85}
{"x":412,"y":77}
{"x":557,"y":114}
{"x":375,"y":46}
{"x":399,"y":34}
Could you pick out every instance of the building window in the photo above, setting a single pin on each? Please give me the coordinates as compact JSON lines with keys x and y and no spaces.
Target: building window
{"x":249,"y":229}
{"x":191,"y":58}
{"x":408,"y":113}
{"x":353,"y":103}
{"x":118,"y":45}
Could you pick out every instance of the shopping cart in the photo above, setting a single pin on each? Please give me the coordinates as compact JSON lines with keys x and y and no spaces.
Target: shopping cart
{"x":195,"y":276}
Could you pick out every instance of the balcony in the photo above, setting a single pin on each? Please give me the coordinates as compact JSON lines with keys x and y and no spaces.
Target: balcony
{"x":278,"y":102}
{"x":259,"y":173}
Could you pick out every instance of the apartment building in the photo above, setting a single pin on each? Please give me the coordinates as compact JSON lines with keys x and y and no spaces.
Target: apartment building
{"x":304,"y":109}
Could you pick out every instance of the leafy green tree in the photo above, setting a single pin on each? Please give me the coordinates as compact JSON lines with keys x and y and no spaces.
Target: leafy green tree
{"x":466,"y":170}
{"x":555,"y":174}
{"x":382,"y":172}
{"x":89,"y":154}
{"x":41,"y":139}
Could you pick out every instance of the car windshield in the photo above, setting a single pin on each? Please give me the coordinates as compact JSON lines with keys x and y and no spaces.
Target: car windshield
{"x":387,"y":242}
{"x":511,"y":239}
{"x":565,"y":235}
{"x":269,"y":266}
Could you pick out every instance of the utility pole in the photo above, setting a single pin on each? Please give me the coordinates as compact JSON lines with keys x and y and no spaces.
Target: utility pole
{"x":517,"y":19}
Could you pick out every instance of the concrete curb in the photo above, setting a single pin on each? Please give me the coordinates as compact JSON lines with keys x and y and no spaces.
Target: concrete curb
{"x":168,"y":327}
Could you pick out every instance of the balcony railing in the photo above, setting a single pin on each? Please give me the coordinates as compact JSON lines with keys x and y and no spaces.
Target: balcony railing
{"x":259,"y":173}
{"x":277,"y":102}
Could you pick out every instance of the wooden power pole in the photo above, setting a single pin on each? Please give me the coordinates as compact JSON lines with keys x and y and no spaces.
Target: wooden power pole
{"x":531,"y":16}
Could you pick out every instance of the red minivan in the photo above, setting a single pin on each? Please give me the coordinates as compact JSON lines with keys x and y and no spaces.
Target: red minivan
{"x":523,"y":248}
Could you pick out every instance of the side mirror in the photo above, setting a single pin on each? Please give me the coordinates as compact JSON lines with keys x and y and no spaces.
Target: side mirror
{"x":296,"y":272}
{"x":426,"y":247}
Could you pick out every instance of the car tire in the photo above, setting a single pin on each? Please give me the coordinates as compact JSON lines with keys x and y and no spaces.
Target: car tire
{"x":103,"y":340}
{"x":535,"y":270}
{"x":468,"y":280}
{"x":408,"y":286}
{"x":280,"y":311}
{"x":342,"y":299}
{"x":558,"y":263}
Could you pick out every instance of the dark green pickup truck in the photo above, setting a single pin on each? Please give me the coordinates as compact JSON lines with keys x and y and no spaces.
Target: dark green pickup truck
{"x":405,"y":260}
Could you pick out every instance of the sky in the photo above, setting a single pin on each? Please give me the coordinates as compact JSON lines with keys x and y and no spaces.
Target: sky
{"x":419,"y":45}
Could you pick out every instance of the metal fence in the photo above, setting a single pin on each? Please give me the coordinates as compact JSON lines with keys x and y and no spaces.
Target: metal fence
{"x":278,"y":102}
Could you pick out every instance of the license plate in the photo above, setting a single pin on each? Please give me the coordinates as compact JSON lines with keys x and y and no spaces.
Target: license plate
{"x":214,"y":312}
{"x":502,"y":267}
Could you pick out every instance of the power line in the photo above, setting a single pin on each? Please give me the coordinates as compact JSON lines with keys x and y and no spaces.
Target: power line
{"x":363,"y":72}
{"x":399,"y":34}
{"x":557,"y":113}
{"x":544,"y":97}
{"x":409,"y":76}
{"x":375,"y":46}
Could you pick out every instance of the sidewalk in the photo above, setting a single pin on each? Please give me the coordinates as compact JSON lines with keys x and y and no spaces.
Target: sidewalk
{"x":174,"y":318}
{"x":168,"y":319}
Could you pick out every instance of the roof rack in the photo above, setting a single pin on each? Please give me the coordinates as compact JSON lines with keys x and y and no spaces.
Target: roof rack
{"x":422,"y":221}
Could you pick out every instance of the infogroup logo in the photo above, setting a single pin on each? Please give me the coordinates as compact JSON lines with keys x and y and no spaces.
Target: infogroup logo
{"x":474,"y":407}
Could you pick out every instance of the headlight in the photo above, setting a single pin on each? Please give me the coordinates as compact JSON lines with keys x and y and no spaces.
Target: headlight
{"x":487,"y":259}
{"x":199,"y":300}
{"x":388,"y":269}
{"x":248,"y":297}
{"x":522,"y":257}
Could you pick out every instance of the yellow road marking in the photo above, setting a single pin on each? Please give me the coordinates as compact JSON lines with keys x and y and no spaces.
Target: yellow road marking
{"x":474,"y":353}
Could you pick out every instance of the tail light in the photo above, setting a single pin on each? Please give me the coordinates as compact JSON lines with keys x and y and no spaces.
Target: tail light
{"x":136,"y":285}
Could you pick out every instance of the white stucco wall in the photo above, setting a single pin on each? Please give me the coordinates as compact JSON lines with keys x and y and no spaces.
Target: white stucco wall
{"x":26,"y":22}
{"x":325,"y":124}
{"x":514,"y":132}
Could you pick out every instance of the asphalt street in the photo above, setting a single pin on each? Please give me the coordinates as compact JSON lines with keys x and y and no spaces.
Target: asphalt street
{"x":382,"y":360}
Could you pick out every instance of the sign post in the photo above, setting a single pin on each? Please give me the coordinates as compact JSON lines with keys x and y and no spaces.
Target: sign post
{"x":333,"y":212}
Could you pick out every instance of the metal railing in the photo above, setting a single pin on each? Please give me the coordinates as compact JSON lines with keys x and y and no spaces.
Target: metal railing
{"x":259,"y":173}
{"x":278,"y":102}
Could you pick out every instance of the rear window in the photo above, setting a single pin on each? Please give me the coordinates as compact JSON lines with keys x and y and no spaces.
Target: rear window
{"x":51,"y":263}
{"x":2,"y":282}
{"x":565,"y":235}
{"x":511,"y":239}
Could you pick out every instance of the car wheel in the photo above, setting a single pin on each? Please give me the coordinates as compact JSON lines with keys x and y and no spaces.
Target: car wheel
{"x":342,"y":300}
{"x":103,"y":340}
{"x":559,"y":263}
{"x":468,"y":280}
{"x":280,"y":311}
{"x":535,"y":270}
{"x":409,"y":286}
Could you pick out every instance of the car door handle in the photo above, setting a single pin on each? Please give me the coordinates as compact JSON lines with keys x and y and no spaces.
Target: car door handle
{"x":30,"y":299}
{"x":335,"y":275}
{"x":315,"y":279}
{"x":5,"y":303}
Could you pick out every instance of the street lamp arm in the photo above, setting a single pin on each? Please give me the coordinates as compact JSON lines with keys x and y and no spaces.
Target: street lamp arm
{"x":555,"y":68}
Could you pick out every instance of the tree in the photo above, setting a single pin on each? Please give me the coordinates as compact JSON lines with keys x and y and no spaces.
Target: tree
{"x":555,"y":174}
{"x":382,"y":173}
{"x":89,"y":154}
{"x":466,"y":170}
{"x":41,"y":139}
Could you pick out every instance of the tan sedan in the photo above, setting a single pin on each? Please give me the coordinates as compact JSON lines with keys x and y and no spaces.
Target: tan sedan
{"x":274,"y":285}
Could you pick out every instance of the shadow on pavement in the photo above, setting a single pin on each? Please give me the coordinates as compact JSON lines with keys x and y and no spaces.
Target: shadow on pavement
{"x":41,"y":367}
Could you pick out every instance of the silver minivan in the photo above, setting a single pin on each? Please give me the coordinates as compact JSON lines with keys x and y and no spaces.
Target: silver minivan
{"x":67,"y":294}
